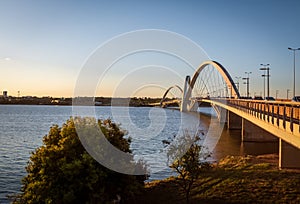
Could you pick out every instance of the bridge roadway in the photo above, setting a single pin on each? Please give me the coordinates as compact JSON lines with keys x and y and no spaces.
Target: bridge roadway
{"x":264,"y":121}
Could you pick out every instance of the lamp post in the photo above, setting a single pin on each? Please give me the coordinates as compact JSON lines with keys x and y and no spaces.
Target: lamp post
{"x":266,"y":68}
{"x":287,"y":93}
{"x":294,"y":83}
{"x":264,"y":76}
{"x":247,"y":82}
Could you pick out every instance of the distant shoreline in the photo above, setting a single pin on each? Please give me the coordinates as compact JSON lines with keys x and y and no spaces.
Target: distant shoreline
{"x":98,"y":101}
{"x":17,"y":104}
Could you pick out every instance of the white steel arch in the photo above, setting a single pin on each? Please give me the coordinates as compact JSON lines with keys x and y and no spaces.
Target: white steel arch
{"x":168,"y":90}
{"x":222,"y":71}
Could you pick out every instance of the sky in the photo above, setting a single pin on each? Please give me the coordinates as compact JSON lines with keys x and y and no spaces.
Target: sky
{"x":45,"y":44}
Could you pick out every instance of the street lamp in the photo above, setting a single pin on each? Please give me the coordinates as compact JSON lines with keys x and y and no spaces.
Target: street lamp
{"x":294,"y":86}
{"x":247,"y":82}
{"x":264,"y":76}
{"x":264,"y":68}
{"x":287,"y":93}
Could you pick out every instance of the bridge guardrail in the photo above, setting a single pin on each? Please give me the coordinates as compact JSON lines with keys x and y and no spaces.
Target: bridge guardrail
{"x":285,"y":114}
{"x":271,"y":111}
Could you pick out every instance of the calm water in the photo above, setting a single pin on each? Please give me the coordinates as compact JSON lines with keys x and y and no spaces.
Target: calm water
{"x":23,"y":127}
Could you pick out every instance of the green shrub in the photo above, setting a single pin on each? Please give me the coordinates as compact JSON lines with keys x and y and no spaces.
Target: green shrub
{"x":188,"y":164}
{"x":61,"y":170}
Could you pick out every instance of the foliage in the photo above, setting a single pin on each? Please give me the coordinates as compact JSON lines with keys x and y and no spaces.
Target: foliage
{"x":235,"y":180}
{"x":61,"y":170}
{"x":187,"y":163}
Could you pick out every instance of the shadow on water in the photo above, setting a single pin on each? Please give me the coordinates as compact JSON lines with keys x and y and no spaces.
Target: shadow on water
{"x":230,"y":142}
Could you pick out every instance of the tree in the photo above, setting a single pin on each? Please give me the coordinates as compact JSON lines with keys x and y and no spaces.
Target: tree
{"x":187,"y":163}
{"x":61,"y":170}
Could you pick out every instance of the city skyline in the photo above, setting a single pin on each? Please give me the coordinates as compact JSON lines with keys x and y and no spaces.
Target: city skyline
{"x":44,"y":45}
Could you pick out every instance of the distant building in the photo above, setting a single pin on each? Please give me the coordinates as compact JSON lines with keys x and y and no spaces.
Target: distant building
{"x":5,"y":94}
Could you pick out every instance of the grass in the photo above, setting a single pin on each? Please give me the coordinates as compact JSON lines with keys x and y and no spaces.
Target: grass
{"x":233,"y":180}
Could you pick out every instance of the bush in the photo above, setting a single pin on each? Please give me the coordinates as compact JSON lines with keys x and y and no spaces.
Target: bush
{"x":61,"y":171}
{"x":188,"y":163}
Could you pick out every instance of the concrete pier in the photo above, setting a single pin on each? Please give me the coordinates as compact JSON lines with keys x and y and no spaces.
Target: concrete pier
{"x":289,"y":156}
{"x":234,"y":122}
{"x":253,"y":133}
{"x":221,"y":113}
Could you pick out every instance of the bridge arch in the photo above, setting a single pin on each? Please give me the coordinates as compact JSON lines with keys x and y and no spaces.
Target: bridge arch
{"x":190,"y":105}
{"x":222,"y":71}
{"x":168,"y":90}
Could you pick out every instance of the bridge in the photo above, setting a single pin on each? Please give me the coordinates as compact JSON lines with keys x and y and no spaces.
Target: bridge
{"x":258,"y":120}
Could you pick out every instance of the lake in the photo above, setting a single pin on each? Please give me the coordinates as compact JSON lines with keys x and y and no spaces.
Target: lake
{"x":22,"y":128}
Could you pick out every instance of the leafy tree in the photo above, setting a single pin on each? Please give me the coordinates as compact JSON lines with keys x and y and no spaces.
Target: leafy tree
{"x":187,"y":163}
{"x":61,"y":170}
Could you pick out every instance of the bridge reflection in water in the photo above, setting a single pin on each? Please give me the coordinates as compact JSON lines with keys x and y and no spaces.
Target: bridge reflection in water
{"x":259,"y":121}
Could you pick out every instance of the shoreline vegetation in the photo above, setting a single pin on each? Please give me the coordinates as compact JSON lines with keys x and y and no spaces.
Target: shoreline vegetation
{"x":99,"y":101}
{"x":234,"y":179}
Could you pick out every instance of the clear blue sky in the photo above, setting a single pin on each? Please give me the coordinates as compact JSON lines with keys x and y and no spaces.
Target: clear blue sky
{"x":43,"y":44}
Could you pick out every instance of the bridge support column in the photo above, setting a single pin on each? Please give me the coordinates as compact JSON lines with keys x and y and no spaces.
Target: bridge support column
{"x":253,"y":133}
{"x":186,"y":95}
{"x":289,"y":156}
{"x":193,"y":107}
{"x":221,"y":113}
{"x":234,"y":122}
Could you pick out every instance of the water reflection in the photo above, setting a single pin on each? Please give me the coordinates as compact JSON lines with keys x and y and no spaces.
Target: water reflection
{"x":230,"y":142}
